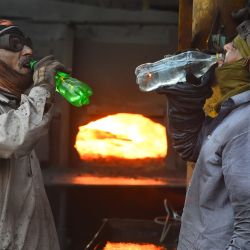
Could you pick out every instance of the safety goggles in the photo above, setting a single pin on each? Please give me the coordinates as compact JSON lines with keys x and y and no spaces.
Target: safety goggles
{"x":244,"y":31}
{"x":14,"y":42}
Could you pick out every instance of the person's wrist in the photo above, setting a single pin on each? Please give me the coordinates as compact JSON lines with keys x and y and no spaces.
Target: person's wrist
{"x":45,"y":85}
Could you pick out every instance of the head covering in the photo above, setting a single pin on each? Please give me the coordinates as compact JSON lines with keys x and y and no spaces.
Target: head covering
{"x":242,"y":40}
{"x":6,"y":22}
{"x":234,"y":78}
{"x":12,"y":81}
{"x":8,"y":27}
{"x":242,"y":45}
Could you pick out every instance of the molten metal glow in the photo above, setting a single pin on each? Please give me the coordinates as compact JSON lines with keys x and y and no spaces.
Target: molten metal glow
{"x":94,"y":180}
{"x":131,"y":246}
{"x":130,"y":136}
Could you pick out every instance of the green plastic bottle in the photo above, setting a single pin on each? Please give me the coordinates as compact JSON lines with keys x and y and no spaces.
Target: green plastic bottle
{"x":74,"y":91}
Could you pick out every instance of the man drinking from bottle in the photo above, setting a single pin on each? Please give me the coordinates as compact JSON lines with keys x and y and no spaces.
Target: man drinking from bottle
{"x":216,"y":214}
{"x":26,"y":106}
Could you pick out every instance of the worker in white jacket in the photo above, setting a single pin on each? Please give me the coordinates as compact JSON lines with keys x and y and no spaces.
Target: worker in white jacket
{"x":26,"y":102}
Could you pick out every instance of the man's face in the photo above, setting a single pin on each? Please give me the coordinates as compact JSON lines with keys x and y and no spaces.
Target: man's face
{"x":18,"y":61}
{"x":232,"y":53}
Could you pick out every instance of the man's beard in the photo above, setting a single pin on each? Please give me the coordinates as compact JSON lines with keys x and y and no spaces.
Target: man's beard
{"x":13,"y":81}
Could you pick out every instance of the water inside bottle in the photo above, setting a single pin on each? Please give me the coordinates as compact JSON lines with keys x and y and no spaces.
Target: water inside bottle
{"x":173,"y":69}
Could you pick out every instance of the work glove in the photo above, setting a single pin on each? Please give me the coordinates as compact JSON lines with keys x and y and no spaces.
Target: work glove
{"x":186,"y":99}
{"x":185,"y":113}
{"x":45,"y":70}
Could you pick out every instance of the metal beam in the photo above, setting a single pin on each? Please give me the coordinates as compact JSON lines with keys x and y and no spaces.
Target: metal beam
{"x":58,"y":12}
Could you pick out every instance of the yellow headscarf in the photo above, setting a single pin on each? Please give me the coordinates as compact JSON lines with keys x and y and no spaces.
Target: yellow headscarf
{"x":242,"y":46}
{"x":232,"y":78}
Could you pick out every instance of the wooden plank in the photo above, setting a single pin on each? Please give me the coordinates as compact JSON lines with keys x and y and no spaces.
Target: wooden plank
{"x":185,"y":24}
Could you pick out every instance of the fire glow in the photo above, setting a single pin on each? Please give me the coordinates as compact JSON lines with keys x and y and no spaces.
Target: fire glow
{"x":131,"y":246}
{"x":129,"y":136}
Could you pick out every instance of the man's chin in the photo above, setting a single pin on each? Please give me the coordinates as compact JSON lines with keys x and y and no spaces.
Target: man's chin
{"x":24,"y":71}
{"x":15,"y":80}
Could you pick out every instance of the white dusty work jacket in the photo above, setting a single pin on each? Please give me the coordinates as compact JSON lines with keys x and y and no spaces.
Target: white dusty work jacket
{"x":26,"y":221}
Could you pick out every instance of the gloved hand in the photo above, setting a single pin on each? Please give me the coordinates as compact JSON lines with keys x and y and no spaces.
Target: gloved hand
{"x":193,"y":87}
{"x":45,"y":70}
{"x":187,"y":98}
{"x":185,"y":112}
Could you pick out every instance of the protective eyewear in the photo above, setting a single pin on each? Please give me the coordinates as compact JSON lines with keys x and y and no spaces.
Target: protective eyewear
{"x":244,"y":31}
{"x":14,"y":42}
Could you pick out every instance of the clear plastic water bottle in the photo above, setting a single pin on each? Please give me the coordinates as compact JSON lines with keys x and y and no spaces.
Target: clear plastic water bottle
{"x":74,"y":91}
{"x":173,"y":69}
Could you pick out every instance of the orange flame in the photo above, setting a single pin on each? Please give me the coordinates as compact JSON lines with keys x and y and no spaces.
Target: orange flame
{"x":130,"y":136}
{"x":131,"y":246}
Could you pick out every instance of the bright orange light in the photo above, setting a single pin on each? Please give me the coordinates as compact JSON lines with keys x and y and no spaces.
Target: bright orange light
{"x":149,"y":76}
{"x":130,"y":136}
{"x":128,"y":181}
{"x":131,"y":246}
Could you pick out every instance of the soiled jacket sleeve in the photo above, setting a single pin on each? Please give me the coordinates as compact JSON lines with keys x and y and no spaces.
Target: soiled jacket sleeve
{"x":21,"y":128}
{"x":185,"y":115}
{"x":186,"y":125}
{"x":236,"y":170}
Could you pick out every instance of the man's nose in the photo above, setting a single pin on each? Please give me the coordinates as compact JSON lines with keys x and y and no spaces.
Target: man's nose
{"x":26,"y":50}
{"x":227,"y":46}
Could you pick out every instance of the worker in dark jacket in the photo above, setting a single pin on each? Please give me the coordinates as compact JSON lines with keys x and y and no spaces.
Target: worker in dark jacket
{"x":26,"y":102}
{"x":216,"y":214}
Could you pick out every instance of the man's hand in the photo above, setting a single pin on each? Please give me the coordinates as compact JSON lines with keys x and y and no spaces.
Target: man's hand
{"x":193,"y":87}
{"x":185,"y":115}
{"x":45,"y":70}
{"x":190,"y":95}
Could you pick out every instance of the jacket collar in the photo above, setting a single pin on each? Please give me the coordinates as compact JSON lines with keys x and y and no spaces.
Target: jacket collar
{"x":3,"y":98}
{"x":236,"y":100}
{"x":8,"y":98}
{"x":241,"y":98}
{"x":225,"y":109}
